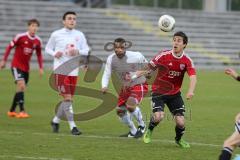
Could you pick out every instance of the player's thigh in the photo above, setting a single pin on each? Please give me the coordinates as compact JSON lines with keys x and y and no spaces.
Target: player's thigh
{"x":123,"y":97}
{"x":21,"y":78}
{"x":21,"y":86}
{"x":67,"y":97}
{"x":65,"y":84}
{"x":233,"y":140}
{"x":175,"y":104}
{"x":157,"y":104}
{"x":138,"y":92}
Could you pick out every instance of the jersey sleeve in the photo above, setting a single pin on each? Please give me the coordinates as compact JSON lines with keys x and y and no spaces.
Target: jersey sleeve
{"x":190,"y":67}
{"x":154,"y":63}
{"x":11,"y":45}
{"x":142,"y":59}
{"x":50,"y":46}
{"x":84,"y":48}
{"x":39,"y":54}
{"x":107,"y":72}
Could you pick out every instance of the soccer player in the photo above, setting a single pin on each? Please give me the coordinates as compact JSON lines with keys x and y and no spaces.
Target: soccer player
{"x":65,"y":44}
{"x":124,"y":63}
{"x":25,"y":44}
{"x":234,"y":140}
{"x":172,"y":65}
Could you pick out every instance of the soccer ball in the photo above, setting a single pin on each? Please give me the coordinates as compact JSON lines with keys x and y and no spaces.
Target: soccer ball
{"x":166,"y":23}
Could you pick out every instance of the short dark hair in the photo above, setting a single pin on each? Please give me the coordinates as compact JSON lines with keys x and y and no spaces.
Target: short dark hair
{"x":31,"y":21}
{"x":119,"y":40}
{"x":67,"y":13}
{"x":183,"y":35}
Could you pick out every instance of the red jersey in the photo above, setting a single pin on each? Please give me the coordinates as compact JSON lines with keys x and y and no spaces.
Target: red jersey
{"x":25,"y":45}
{"x":171,"y":70}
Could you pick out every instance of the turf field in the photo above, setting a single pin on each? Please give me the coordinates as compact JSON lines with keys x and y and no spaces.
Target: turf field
{"x":209,"y":121}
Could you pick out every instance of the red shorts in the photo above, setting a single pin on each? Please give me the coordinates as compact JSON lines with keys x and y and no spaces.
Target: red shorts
{"x":65,"y":84}
{"x":138,"y":92}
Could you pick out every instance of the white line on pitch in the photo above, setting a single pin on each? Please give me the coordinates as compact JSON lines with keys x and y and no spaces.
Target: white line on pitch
{"x":31,"y":158}
{"x":110,"y":137}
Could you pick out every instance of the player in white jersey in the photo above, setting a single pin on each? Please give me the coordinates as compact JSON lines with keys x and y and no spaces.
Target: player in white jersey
{"x":65,"y":44}
{"x":124,"y":64}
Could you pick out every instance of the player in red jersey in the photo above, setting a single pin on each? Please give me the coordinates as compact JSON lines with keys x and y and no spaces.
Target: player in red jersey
{"x":232,"y":142}
{"x":25,"y":44}
{"x":171,"y":65}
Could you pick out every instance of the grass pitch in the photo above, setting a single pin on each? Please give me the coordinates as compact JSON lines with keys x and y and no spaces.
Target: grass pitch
{"x":209,"y":121}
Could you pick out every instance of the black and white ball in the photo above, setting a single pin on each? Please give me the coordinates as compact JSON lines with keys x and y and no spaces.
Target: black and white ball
{"x":166,"y":23}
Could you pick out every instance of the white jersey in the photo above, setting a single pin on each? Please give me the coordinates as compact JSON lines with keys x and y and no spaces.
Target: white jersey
{"x":130,"y":63}
{"x":63,"y":39}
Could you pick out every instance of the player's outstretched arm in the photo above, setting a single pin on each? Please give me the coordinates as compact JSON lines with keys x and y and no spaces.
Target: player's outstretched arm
{"x":233,"y":73}
{"x":40,"y":60}
{"x":2,"y":64}
{"x":144,"y":72}
{"x":192,"y":86}
{"x":6,"y":54}
{"x":106,"y":75}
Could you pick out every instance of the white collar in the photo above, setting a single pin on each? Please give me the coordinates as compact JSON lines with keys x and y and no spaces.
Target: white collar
{"x":174,"y":55}
{"x":68,"y":30}
{"x":29,"y":36}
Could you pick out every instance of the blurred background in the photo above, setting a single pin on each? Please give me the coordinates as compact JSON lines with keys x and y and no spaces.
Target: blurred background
{"x":213,"y":26}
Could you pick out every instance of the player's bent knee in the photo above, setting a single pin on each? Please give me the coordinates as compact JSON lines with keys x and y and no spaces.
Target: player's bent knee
{"x":180,"y":124}
{"x":158,"y":117}
{"x":121,"y":111}
{"x":131,"y":108}
{"x":21,"y":86}
{"x":131,"y":101}
{"x":180,"y":121}
{"x":67,"y":97}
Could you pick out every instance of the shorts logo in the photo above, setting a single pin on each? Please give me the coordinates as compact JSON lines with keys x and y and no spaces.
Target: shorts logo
{"x":19,"y":75}
{"x":182,"y":66}
{"x":153,"y":103}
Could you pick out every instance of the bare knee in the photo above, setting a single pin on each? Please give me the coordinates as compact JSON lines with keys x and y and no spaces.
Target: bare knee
{"x":67,"y":97}
{"x":21,"y":86}
{"x":131,"y":104}
{"x":180,"y":121}
{"x":158,"y":117}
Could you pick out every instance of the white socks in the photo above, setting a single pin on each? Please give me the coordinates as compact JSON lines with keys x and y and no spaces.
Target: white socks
{"x":56,"y":119}
{"x":70,"y":121}
{"x":138,"y":115}
{"x":127,"y":120}
{"x":71,"y":124}
{"x":67,"y":109}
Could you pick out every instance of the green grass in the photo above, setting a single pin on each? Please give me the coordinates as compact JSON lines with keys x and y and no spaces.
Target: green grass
{"x":210,"y":118}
